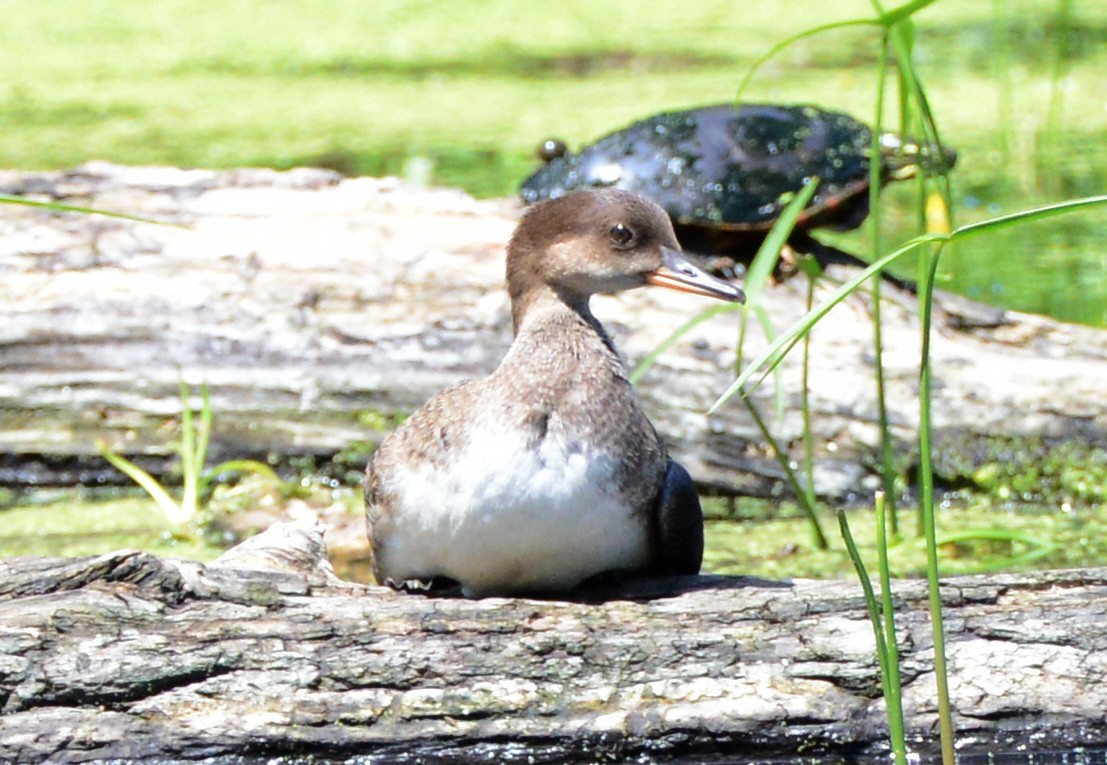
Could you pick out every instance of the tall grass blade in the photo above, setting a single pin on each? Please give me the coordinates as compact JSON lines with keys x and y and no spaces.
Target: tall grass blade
{"x":805,"y":406}
{"x":777,"y":49}
{"x":887,"y":451}
{"x":905,"y":11}
{"x":893,"y":696}
{"x":818,"y":538}
{"x":884,"y":19}
{"x":187,"y":451}
{"x":757,"y":277}
{"x":779,"y":348}
{"x":761,"y":269}
{"x":9,"y":199}
{"x":874,"y":607}
{"x":1039,"y":547}
{"x":926,"y":505}
{"x":767,"y":327}
{"x":651,"y":358}
{"x":1027,"y":216}
{"x":203,"y":434}
{"x":240,"y":466}
{"x":166,"y":503}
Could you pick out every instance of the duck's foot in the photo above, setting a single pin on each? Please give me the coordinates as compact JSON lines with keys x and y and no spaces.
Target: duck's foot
{"x":435,"y":587}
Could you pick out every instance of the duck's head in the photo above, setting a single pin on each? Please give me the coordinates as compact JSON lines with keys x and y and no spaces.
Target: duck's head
{"x":601,"y":241}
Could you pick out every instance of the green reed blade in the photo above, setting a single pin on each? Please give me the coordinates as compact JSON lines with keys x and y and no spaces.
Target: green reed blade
{"x":173,"y":512}
{"x":187,"y":451}
{"x":926,"y":505}
{"x":818,"y":538}
{"x":893,"y":697}
{"x":887,"y":446}
{"x":756,"y":277}
{"x":242,"y":466}
{"x":789,"y":41}
{"x":9,"y":199}
{"x":651,"y":358}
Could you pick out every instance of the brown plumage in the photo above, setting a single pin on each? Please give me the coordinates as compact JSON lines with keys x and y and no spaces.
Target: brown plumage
{"x":546,"y":472}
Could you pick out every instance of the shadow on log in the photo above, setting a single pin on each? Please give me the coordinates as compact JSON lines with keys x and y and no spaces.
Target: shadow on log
{"x":265,"y":652}
{"x":318,"y":308}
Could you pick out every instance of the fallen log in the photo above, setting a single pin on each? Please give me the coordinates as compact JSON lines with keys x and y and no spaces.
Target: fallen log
{"x":320,"y":309}
{"x":265,"y":652}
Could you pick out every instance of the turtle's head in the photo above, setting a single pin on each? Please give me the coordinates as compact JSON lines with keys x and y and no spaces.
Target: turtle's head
{"x":551,"y":149}
{"x":554,"y":178}
{"x":903,"y":158}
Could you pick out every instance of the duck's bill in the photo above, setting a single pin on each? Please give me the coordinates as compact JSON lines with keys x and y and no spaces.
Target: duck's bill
{"x":677,"y":273}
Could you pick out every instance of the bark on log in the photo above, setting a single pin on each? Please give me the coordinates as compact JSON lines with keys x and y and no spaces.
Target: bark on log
{"x":304,"y":299}
{"x":265,"y":652}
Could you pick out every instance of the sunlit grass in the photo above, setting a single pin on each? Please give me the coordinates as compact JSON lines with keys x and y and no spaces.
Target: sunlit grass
{"x":192,"y":449}
{"x":765,"y":538}
{"x":770,"y":540}
{"x":74,"y":527}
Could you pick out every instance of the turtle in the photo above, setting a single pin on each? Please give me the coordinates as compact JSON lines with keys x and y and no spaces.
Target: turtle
{"x":725,"y":172}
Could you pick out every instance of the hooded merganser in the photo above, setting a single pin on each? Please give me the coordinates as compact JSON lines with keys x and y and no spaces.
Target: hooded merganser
{"x":547,"y":472}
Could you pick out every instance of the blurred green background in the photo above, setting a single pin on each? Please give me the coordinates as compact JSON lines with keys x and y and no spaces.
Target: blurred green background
{"x":1018,"y":88}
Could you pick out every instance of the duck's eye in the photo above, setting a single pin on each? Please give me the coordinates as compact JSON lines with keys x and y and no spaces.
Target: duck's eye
{"x":621,"y":235}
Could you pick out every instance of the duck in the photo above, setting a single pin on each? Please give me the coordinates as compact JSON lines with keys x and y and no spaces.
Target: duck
{"x":547,"y":473}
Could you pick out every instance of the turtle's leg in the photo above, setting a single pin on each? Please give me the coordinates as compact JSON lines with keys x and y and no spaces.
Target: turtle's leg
{"x":825,"y":255}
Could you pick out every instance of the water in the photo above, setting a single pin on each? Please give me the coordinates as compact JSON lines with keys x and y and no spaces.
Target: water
{"x":1055,"y":267}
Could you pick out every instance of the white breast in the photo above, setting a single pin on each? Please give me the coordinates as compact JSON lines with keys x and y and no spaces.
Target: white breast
{"x":504,"y":519}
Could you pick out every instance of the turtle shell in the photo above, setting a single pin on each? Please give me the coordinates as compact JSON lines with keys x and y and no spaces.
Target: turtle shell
{"x":728,"y":168}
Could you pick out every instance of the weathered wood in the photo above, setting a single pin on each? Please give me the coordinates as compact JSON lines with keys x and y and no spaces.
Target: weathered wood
{"x":304,"y":299}
{"x":129,"y":656}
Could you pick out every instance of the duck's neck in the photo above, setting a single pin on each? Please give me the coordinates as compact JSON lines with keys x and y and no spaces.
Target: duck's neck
{"x":542,"y":306}
{"x":542,"y":300}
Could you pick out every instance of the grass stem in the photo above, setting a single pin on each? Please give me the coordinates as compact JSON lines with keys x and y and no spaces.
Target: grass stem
{"x":818,"y":538}
{"x":893,"y":696}
{"x":805,"y":402}
{"x":887,"y":446}
{"x":880,"y":634}
{"x":927,"y":269}
{"x":192,"y":451}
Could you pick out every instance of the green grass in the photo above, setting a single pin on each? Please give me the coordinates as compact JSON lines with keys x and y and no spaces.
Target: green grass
{"x":759,"y":538}
{"x":769,"y":539}
{"x":73,"y":526}
{"x":255,"y":82}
